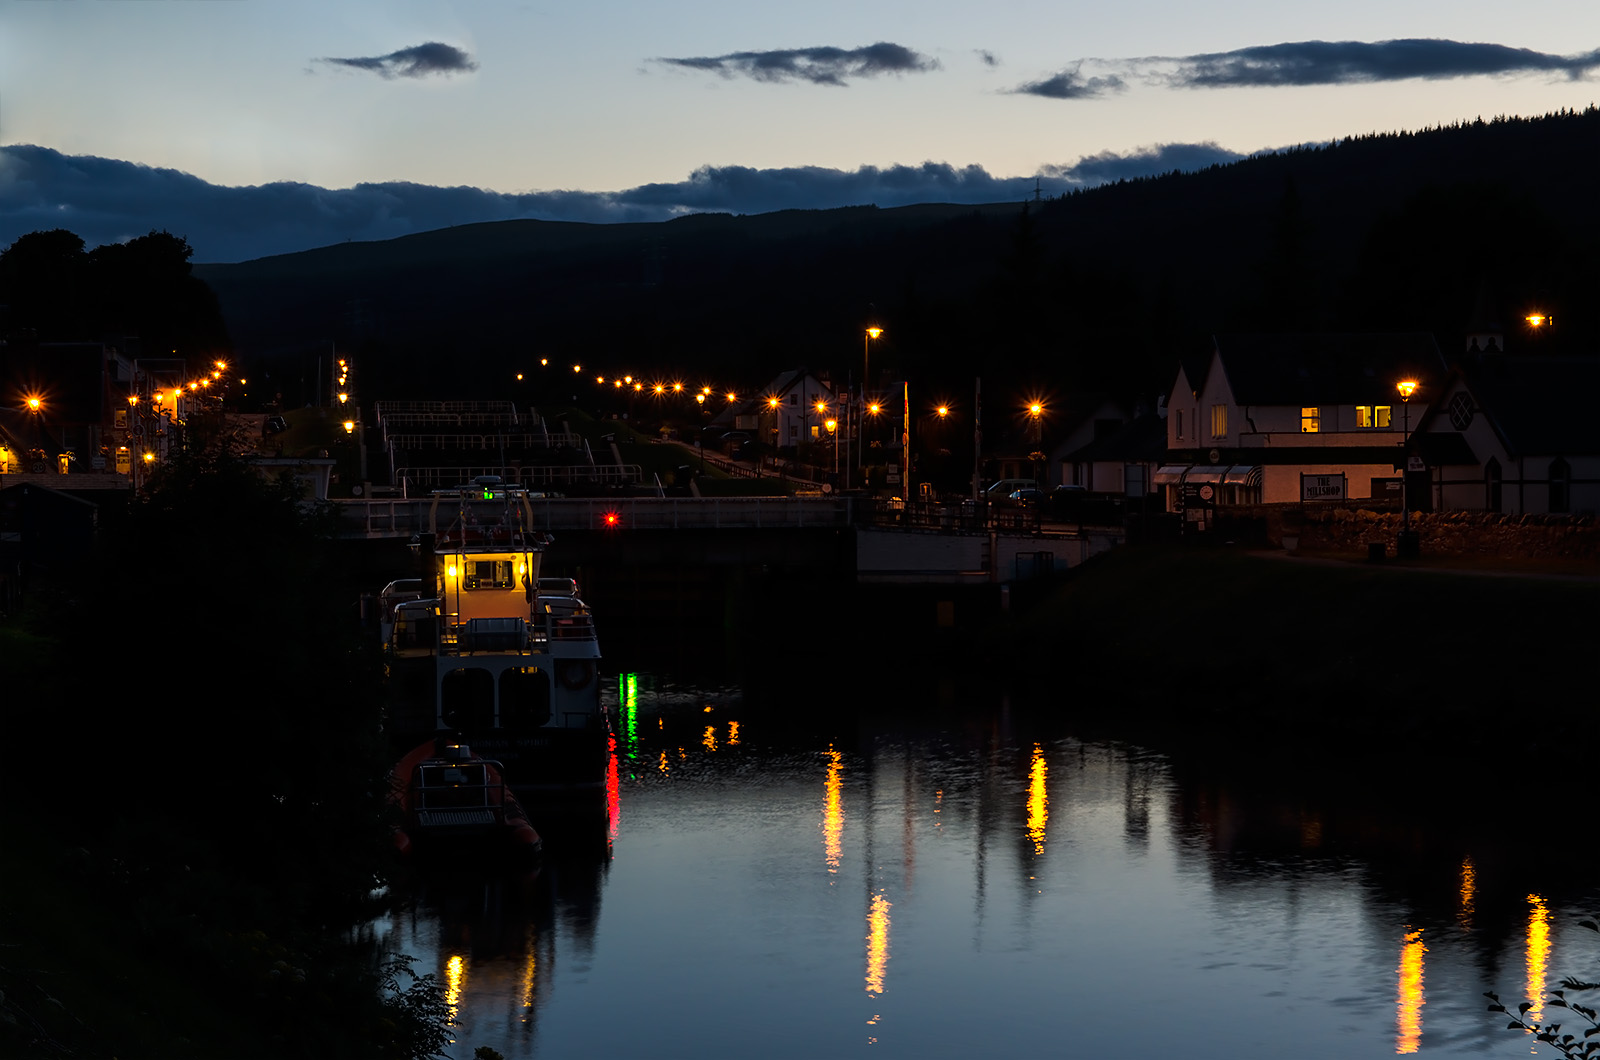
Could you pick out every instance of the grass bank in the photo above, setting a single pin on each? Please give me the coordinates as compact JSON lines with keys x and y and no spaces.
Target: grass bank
{"x":1240,"y":650}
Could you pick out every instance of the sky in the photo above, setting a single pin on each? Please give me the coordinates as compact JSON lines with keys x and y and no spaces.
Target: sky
{"x":254,"y":127}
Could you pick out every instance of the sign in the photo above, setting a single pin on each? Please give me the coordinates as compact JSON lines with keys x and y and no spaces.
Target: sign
{"x":1206,"y":492}
{"x":1322,"y":487}
{"x":1416,"y":463}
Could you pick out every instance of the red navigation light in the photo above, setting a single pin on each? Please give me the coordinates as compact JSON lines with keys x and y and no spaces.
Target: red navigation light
{"x":612,"y":520}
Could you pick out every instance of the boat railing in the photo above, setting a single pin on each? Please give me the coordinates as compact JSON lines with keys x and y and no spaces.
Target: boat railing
{"x":552,"y":623}
{"x":458,"y":795}
{"x":569,"y":625}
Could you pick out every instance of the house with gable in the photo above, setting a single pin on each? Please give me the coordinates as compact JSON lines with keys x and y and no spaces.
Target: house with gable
{"x":1514,"y":434}
{"x":1295,"y":417}
{"x":783,"y":413}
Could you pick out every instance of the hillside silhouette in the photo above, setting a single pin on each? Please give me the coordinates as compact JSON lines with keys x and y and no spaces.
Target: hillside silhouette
{"x":1102,"y":288}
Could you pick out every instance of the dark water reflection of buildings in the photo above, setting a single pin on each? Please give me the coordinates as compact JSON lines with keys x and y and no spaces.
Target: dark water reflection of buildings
{"x":907,"y":799}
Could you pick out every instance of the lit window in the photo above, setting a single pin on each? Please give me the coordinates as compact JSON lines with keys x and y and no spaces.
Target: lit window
{"x":488,"y":574}
{"x":1219,"y":421}
{"x":1372,"y":416}
{"x":1310,"y":420}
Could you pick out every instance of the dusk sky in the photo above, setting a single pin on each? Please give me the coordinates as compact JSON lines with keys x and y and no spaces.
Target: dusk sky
{"x":254,"y":128}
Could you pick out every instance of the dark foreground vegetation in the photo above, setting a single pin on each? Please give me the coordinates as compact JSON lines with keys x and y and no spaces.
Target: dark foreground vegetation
{"x":193,"y":803}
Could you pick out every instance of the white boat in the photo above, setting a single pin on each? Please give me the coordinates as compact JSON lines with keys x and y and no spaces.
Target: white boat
{"x":512,"y":658}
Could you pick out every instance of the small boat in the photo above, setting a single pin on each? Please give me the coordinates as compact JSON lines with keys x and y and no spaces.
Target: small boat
{"x":455,"y":804}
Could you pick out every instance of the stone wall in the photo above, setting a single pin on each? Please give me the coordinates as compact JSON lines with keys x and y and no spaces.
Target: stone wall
{"x":1440,"y":533}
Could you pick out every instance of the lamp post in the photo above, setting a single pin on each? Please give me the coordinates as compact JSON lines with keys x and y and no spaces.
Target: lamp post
{"x":866,"y":382}
{"x":822,"y":410}
{"x":1406,"y":545}
{"x":1036,"y":416}
{"x":774,"y":403}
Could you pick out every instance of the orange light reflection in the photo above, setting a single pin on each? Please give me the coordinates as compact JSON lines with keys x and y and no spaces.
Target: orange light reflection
{"x":1469,"y":892}
{"x":877,"y":943}
{"x":833,"y":812}
{"x":709,"y":740}
{"x":1410,"y":1002}
{"x":1538,"y":956}
{"x":455,"y":985}
{"x":1038,"y":802}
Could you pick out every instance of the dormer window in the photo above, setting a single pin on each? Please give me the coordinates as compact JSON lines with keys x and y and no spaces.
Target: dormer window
{"x":1219,"y":421}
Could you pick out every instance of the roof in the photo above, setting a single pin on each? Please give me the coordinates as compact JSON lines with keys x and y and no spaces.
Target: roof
{"x":1328,"y":369}
{"x":1539,"y":406}
{"x":1141,"y":440}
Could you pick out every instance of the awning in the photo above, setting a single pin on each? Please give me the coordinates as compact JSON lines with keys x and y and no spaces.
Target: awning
{"x":1196,"y":474}
{"x":1202,"y":474}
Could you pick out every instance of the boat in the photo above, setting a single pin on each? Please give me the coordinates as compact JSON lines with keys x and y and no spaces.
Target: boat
{"x":485,"y":650}
{"x":455,"y":804}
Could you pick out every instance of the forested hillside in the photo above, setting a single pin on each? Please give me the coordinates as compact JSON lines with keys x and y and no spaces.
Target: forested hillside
{"x":1101,"y":288}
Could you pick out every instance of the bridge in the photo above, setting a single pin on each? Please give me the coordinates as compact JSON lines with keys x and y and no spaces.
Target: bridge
{"x":404,"y":517}
{"x":865,"y":538}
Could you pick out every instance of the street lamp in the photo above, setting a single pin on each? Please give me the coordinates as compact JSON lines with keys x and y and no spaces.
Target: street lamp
{"x":866,"y":382}
{"x":1036,"y":416}
{"x":1406,"y":546}
{"x":774,"y":403}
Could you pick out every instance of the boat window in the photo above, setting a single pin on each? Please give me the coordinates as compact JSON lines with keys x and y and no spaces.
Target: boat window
{"x":488,"y":574}
{"x":524,"y":698}
{"x":466,"y":700}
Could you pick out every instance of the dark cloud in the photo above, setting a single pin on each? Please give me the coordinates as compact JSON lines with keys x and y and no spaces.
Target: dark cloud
{"x":820,"y":66}
{"x":1340,"y":62}
{"x":988,"y":58}
{"x":1314,"y":63}
{"x":422,"y":60}
{"x":1070,"y":84}
{"x":107,"y":201}
{"x":1108,"y":167}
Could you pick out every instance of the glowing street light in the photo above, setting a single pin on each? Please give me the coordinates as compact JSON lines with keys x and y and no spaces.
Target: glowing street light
{"x":1405,"y":547}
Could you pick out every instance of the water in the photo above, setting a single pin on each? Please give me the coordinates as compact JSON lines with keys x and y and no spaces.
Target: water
{"x":949,"y":877}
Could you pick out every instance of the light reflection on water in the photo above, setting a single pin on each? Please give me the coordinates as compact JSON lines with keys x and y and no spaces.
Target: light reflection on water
{"x":1047,"y":896}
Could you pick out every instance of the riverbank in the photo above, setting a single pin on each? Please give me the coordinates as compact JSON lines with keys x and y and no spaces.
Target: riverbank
{"x":1240,"y":651}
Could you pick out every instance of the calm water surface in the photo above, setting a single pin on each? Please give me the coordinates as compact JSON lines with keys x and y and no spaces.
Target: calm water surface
{"x":968,"y":878}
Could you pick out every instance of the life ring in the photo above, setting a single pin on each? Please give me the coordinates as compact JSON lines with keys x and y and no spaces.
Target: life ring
{"x":575,"y":673}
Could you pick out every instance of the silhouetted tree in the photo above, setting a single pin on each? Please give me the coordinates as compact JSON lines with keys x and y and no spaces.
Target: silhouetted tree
{"x":44,"y":284}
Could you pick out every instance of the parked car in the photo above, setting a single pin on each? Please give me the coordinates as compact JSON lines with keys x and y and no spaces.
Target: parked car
{"x":999,"y":491}
{"x":1027,"y":497}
